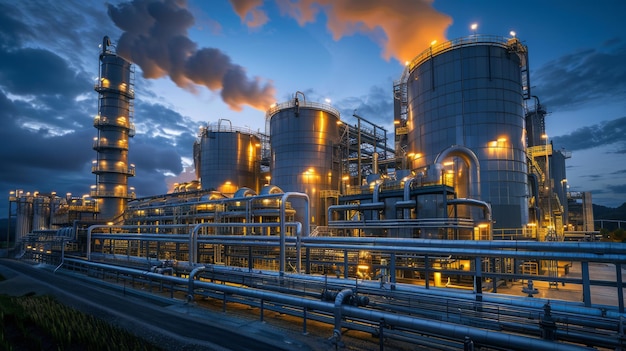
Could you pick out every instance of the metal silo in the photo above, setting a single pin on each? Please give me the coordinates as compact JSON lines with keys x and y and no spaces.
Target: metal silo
{"x":469,"y":93}
{"x":41,"y":212}
{"x":115,"y":127}
{"x":229,"y":158}
{"x":24,"y":215}
{"x":304,"y":137}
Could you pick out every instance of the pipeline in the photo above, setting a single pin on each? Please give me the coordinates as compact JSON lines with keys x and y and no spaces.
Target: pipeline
{"x":338,"y":309}
{"x":343,"y":294}
{"x":192,"y":277}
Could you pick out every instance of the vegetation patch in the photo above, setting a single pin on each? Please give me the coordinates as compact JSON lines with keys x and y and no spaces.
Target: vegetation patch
{"x":42,"y":323}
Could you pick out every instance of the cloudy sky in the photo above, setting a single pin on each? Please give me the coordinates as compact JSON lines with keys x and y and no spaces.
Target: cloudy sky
{"x":202,"y":61}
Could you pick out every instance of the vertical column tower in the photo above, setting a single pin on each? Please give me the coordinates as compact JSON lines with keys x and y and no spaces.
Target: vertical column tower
{"x":115,"y":127}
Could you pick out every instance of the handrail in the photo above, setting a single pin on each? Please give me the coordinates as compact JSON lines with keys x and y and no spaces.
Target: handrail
{"x":291,"y":103}
{"x":471,"y":40}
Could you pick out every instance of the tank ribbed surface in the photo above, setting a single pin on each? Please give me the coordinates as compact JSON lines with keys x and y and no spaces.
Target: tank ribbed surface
{"x":303,"y":136}
{"x":472,"y":95}
{"x":229,"y":159}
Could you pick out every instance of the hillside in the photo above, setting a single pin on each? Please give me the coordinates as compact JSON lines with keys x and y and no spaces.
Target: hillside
{"x":603,"y":212}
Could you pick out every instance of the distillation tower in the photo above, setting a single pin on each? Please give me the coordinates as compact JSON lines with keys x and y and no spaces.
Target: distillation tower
{"x":115,"y":127}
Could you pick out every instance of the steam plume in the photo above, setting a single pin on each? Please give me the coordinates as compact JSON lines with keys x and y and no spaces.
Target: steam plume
{"x":155,"y":38}
{"x":402,"y":28}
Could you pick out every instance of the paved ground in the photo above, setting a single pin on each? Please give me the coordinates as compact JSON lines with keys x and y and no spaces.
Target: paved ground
{"x":573,"y":292}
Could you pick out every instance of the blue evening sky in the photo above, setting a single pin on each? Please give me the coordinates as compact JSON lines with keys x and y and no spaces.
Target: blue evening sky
{"x":240,"y":56}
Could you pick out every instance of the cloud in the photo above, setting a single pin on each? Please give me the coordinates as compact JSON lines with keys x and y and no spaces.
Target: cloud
{"x":155,"y":38}
{"x":603,"y":133}
{"x":40,"y":23}
{"x":402,"y":28}
{"x":376,"y":106}
{"x":249,"y":13}
{"x":12,"y":31}
{"x":582,"y":77}
{"x":47,"y":106}
{"x":165,"y":127}
{"x":36,"y":71}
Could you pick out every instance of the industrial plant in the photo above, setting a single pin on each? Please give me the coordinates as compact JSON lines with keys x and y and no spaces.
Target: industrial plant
{"x":337,"y":219}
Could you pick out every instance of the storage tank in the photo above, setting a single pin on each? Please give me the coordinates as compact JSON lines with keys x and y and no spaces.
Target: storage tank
{"x":469,"y":92}
{"x":229,"y":157}
{"x":24,"y":215}
{"x":41,"y":212}
{"x":304,"y":138}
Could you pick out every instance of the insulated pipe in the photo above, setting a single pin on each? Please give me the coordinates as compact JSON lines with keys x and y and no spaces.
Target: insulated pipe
{"x":597,"y":248}
{"x":536,"y":303}
{"x":459,"y":332}
{"x":449,"y":330}
{"x":534,"y":181}
{"x":471,"y":160}
{"x":192,"y":277}
{"x":357,"y":207}
{"x":131,"y":271}
{"x":473,"y":202}
{"x":406,"y":198}
{"x":376,"y":193}
{"x":337,"y":312}
{"x":407,"y":188}
{"x":445,"y":252}
{"x":307,"y":227}
{"x":193,"y":236}
{"x":91,"y":228}
{"x":376,"y":198}
{"x":62,"y":255}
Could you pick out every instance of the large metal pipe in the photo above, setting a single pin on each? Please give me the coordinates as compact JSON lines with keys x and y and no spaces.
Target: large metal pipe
{"x":459,"y":332}
{"x":473,"y":202}
{"x":599,"y":249}
{"x":192,"y":277}
{"x":307,"y":227}
{"x":354,"y":207}
{"x":341,"y":296}
{"x":193,"y":236}
{"x":111,"y":227}
{"x":445,"y":252}
{"x":471,"y":160}
{"x":445,"y":329}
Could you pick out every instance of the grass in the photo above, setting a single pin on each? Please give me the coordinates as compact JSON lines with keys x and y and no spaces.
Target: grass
{"x":32,"y":322}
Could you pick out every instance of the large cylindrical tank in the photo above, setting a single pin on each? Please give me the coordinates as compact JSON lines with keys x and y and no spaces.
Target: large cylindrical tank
{"x":41,"y":212}
{"x":469,"y":92}
{"x":229,"y":158}
{"x":24,"y":216}
{"x":303,"y":138}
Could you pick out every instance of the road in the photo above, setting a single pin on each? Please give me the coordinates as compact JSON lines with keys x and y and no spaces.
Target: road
{"x":171,"y":324}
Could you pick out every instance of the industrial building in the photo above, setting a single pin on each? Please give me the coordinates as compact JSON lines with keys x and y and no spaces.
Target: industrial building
{"x":471,"y":169}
